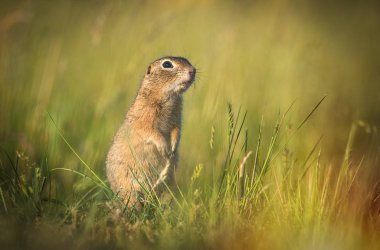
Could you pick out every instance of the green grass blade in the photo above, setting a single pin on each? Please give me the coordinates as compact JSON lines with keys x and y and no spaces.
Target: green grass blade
{"x":76,"y":154}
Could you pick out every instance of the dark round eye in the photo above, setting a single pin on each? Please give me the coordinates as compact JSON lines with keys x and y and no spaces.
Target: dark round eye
{"x":167,"y":65}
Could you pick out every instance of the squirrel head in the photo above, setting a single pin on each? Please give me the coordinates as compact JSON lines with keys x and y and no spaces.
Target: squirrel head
{"x":169,"y":76}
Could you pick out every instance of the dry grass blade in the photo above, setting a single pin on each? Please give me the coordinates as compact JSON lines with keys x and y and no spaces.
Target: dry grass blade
{"x":242,"y":172}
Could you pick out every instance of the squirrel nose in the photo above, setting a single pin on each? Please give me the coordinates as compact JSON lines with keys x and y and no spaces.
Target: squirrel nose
{"x":192,"y":71}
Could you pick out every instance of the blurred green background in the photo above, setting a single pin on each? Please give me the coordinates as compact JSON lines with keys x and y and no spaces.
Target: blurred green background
{"x":82,"y":62}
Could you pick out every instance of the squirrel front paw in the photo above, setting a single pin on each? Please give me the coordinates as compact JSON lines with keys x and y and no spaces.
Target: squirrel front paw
{"x":162,"y":147}
{"x":164,"y":150}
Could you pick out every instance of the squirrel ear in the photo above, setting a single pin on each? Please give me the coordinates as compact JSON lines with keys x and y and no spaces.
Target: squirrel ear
{"x":148,"y":71}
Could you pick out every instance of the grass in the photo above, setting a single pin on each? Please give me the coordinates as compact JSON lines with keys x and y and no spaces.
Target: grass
{"x":279,"y":146}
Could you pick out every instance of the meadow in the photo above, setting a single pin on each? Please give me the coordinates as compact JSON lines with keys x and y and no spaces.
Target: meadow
{"x":279,"y":149}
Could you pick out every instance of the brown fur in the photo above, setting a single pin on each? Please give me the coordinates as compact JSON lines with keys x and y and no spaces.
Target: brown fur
{"x":145,"y":148}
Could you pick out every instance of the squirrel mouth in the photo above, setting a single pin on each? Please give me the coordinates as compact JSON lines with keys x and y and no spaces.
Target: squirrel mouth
{"x":188,"y":82}
{"x":186,"y":85}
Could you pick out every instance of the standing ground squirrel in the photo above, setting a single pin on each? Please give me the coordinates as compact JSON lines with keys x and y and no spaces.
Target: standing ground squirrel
{"x":144,"y":152}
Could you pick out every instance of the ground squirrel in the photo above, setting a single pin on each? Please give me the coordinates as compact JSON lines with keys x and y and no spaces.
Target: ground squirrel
{"x":145,"y":148}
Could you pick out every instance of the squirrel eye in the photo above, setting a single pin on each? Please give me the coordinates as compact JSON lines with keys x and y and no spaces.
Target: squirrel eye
{"x":167,"y":65}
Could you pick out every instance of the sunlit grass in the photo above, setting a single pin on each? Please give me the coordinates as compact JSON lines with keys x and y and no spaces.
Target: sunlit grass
{"x":279,"y":146}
